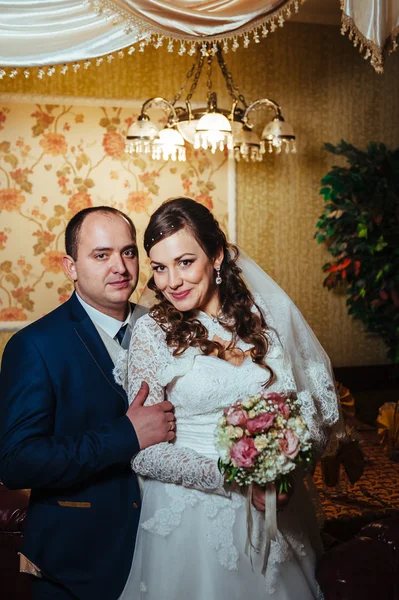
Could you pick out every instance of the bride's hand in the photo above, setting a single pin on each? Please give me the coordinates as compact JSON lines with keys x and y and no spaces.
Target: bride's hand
{"x":258,"y":497}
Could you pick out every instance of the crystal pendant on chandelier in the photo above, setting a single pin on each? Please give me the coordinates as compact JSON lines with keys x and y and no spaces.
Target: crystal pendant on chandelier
{"x":278,"y":135}
{"x":247,"y":146}
{"x":145,"y":138}
{"x":213,"y":130}
{"x":170,"y":144}
{"x":140,"y":136}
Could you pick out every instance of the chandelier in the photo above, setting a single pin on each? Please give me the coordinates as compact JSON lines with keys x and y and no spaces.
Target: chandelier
{"x":210,"y":127}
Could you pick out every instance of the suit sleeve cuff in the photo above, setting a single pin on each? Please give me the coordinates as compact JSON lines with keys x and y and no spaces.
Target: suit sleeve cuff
{"x":127,"y":443}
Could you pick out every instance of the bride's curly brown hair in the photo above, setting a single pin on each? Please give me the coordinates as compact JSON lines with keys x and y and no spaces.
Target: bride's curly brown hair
{"x":238,"y":316}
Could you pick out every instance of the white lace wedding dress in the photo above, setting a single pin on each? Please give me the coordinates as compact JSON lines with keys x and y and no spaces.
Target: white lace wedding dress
{"x":192,"y":533}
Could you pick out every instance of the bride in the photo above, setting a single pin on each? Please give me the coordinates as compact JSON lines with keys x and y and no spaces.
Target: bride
{"x":208,"y":342}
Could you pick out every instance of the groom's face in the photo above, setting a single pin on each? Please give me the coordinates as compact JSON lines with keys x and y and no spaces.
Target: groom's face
{"x":106,"y":269}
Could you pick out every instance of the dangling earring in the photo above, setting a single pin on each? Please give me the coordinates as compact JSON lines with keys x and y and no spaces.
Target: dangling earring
{"x":218,"y":279}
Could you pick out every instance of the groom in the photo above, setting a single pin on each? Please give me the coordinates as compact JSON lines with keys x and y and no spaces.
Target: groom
{"x":66,"y":431}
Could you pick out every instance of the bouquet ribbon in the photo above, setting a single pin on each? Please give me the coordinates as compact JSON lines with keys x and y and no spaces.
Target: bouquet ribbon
{"x":270,"y":521}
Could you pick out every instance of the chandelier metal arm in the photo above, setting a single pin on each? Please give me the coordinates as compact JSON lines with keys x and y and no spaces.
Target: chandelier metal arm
{"x":159,"y":101}
{"x":260,"y":103}
{"x":209,"y":128}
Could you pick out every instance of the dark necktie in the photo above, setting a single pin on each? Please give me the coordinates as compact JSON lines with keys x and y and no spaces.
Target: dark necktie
{"x":119,"y":336}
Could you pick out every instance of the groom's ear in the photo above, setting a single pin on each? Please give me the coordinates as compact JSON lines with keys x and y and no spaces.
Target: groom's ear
{"x":69,"y":267}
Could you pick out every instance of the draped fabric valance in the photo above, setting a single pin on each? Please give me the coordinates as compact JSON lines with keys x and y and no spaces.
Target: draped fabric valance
{"x":45,"y":32}
{"x":53,"y":32}
{"x":56,"y":31}
{"x":201,"y":19}
{"x":373,"y":25}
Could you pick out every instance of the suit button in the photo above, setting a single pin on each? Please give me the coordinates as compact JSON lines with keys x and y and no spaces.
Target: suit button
{"x":135,"y":505}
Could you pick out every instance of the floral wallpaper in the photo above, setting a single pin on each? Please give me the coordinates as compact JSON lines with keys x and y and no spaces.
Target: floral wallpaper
{"x":57,"y":158}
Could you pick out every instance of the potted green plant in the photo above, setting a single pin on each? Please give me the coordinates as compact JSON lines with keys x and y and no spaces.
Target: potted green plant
{"x":360,"y":227}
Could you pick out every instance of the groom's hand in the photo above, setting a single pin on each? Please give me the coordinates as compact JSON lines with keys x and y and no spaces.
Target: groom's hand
{"x":152,"y":424}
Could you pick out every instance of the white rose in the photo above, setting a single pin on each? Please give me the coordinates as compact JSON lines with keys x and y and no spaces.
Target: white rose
{"x":238,"y":432}
{"x":279,"y":421}
{"x":248,"y":403}
{"x":223,"y":444}
{"x":230,"y":431}
{"x":260,"y":443}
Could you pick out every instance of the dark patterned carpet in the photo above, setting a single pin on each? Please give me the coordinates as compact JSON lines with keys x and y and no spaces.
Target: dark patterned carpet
{"x":376,"y":491}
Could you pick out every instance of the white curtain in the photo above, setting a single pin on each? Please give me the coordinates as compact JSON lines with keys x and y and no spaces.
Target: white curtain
{"x":48,"y":32}
{"x":373,"y":25}
{"x":198,"y":19}
{"x":44,"y":32}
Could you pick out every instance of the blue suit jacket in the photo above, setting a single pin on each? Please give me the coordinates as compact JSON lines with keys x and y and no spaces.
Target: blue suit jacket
{"x":64,"y":434}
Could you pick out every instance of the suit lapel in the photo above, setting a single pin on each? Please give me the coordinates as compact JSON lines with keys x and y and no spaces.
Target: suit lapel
{"x":89,"y":337}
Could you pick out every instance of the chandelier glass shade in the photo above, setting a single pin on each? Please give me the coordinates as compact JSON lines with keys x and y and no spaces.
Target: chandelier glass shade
{"x":210,"y":127}
{"x":169,"y":144}
{"x":247,"y":146}
{"x":144,"y":137}
{"x":278,"y":134}
{"x":187,"y":121}
{"x":187,"y":128}
{"x":140,"y":136}
{"x":213,"y":131}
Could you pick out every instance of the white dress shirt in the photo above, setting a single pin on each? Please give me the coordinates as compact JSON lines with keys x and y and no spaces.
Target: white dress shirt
{"x":107,"y":323}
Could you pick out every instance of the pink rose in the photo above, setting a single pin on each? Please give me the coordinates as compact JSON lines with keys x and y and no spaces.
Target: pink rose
{"x":260,"y":423}
{"x":237,"y":418}
{"x":244,"y":452}
{"x":289,"y":444}
{"x":273,"y":396}
{"x":283,"y":408}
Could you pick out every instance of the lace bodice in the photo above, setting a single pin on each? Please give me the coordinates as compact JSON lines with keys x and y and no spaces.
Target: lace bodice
{"x":200,"y":387}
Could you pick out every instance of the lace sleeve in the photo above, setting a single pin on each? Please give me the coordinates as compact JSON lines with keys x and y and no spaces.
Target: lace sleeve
{"x":148,"y":357}
{"x":144,"y":361}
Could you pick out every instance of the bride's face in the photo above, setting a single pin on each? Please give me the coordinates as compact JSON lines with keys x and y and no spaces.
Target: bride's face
{"x":184,"y":274}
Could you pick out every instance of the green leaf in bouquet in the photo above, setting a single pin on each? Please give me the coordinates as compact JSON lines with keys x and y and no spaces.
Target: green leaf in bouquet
{"x":232,"y":474}
{"x":284,"y":484}
{"x":221,"y":466}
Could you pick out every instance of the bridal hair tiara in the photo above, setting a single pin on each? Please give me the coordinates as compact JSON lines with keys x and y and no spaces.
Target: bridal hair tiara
{"x":161,"y":234}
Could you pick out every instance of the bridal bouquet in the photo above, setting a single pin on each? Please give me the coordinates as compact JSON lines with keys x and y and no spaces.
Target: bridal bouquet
{"x":262,"y":439}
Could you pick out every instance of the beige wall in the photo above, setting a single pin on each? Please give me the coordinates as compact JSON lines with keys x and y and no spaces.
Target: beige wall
{"x":327,"y":92}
